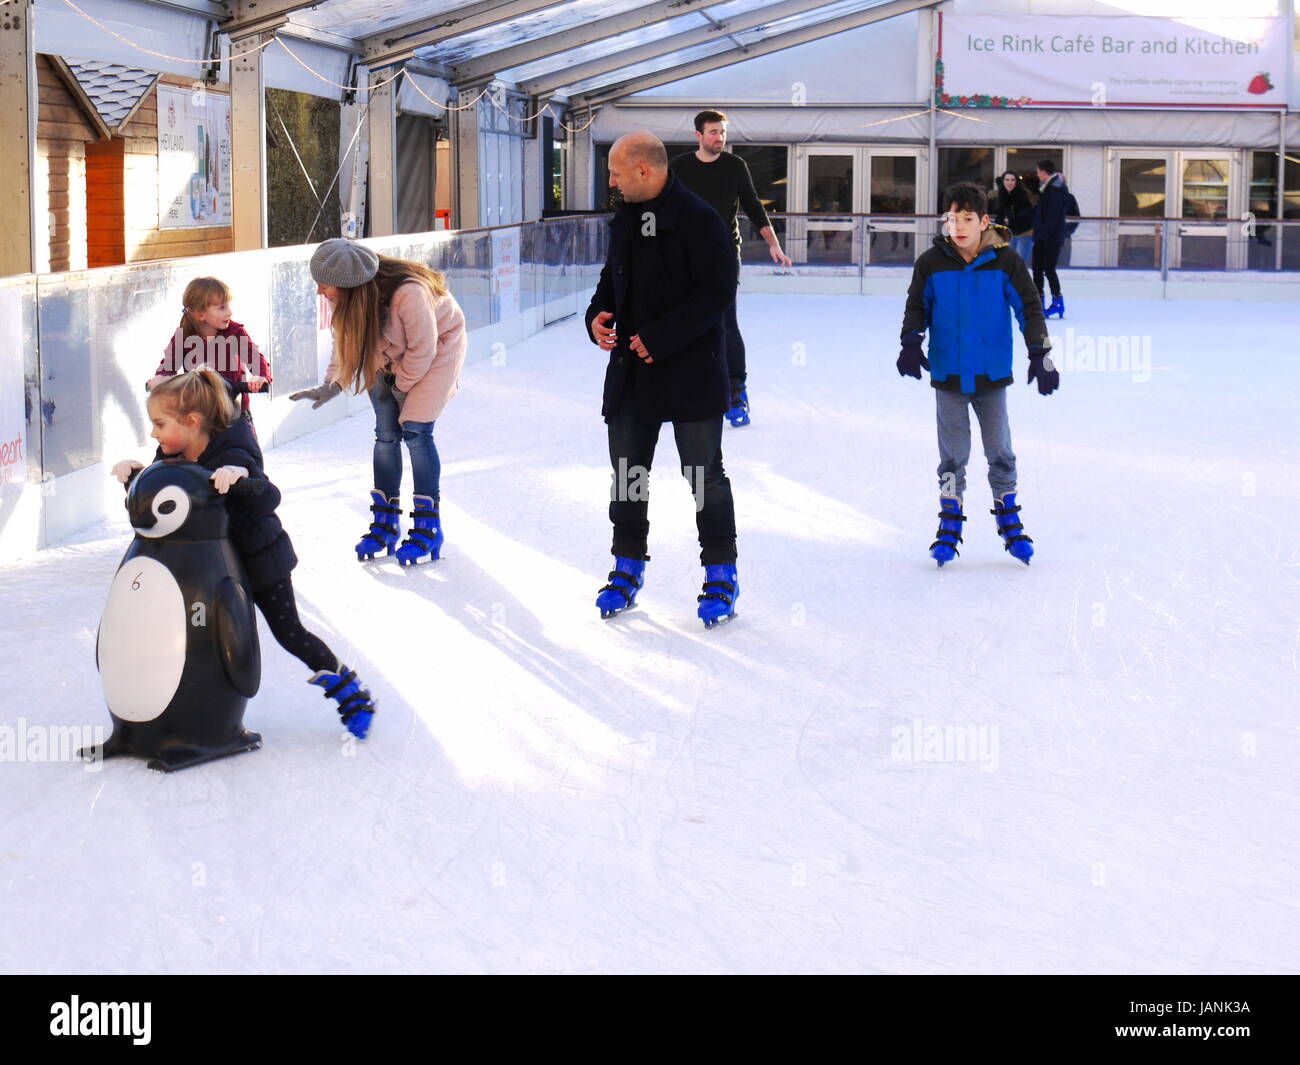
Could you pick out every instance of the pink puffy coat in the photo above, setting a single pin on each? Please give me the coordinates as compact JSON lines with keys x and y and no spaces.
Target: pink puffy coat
{"x":423,"y":344}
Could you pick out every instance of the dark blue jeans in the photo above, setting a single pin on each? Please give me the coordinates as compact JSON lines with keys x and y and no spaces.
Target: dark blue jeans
{"x":390,"y":431}
{"x":632,"y":441}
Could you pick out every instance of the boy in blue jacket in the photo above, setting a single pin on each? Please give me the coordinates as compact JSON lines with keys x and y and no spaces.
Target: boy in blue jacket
{"x":963,"y":292}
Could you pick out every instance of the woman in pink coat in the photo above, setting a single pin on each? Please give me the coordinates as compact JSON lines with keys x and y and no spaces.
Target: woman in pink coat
{"x":399,"y":333}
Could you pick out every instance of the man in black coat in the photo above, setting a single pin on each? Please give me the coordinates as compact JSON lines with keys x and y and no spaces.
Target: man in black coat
{"x":658,"y":310}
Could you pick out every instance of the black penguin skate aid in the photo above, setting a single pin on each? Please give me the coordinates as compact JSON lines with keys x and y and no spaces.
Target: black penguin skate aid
{"x":177,"y":648}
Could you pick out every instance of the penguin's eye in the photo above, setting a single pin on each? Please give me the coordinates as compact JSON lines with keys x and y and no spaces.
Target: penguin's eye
{"x":171,"y":506}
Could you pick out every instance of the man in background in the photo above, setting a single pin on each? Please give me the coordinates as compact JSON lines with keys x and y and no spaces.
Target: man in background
{"x":723,"y":181}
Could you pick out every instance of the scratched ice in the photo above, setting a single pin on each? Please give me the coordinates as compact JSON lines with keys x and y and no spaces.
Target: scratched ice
{"x":1084,"y":765}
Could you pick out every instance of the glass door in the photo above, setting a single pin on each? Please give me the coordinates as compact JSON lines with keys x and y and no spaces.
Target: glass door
{"x":829,"y":190}
{"x":894,"y":181}
{"x":835,"y":182}
{"x":1139,"y":181}
{"x":1202,"y":187}
{"x":1207,"y":182}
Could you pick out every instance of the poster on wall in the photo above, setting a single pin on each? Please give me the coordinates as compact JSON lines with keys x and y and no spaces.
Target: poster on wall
{"x":13,"y":392}
{"x":193,"y":158}
{"x":505,"y":273}
{"x":1112,"y":61}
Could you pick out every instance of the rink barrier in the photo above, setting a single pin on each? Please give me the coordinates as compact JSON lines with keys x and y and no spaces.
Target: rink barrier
{"x":1130,"y":258}
{"x":71,"y":389}
{"x":83,"y":343}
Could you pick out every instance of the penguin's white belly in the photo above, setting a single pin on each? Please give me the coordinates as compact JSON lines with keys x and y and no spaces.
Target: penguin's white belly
{"x":142,"y":640}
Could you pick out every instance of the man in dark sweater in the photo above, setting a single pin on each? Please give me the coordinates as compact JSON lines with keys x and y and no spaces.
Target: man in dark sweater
{"x":723,"y":181}
{"x":668,"y":277}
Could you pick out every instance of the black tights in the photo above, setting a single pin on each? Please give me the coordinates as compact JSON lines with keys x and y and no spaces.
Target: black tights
{"x":278,"y":606}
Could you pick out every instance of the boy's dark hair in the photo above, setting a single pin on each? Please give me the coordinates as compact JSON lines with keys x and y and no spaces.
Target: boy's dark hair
{"x":967,"y":196}
{"x":1047,"y":167}
{"x":705,"y":117}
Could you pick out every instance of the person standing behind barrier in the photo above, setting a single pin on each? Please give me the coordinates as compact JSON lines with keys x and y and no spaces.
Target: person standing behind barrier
{"x":209,"y":337}
{"x":722,"y":180}
{"x":1050,"y":231}
{"x":667,"y":281}
{"x":1014,"y":210}
{"x":400,"y":334}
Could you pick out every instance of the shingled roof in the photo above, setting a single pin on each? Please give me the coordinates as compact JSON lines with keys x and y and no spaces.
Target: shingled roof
{"x":114,"y":91}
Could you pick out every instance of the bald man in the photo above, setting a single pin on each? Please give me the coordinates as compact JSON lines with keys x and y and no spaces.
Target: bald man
{"x":658,"y":311}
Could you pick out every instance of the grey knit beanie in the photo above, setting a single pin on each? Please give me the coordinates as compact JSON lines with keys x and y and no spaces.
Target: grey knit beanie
{"x":343,"y":263}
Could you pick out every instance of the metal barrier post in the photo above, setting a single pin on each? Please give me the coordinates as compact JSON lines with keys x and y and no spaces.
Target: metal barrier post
{"x":863,"y":235}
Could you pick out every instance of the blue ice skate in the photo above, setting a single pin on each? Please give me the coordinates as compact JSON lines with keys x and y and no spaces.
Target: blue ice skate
{"x":1012,"y":531}
{"x":425,"y":542}
{"x":718,"y":600}
{"x":738,"y":415}
{"x":624,"y":582}
{"x":384,"y":531}
{"x":355,"y":705}
{"x":944,"y":548}
{"x":1057,"y":307}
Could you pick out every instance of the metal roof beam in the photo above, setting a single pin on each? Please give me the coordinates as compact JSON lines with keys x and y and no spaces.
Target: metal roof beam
{"x":483,"y":67}
{"x":399,"y":43}
{"x":803,"y":35}
{"x":260,"y":16}
{"x":666,"y":45}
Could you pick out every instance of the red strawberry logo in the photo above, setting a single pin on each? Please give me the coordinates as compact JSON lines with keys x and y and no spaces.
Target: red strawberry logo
{"x":1259,"y":85}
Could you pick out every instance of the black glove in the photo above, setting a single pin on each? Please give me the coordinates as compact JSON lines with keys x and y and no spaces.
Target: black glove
{"x":910,"y":359}
{"x":320,"y":394}
{"x":1041,"y":368}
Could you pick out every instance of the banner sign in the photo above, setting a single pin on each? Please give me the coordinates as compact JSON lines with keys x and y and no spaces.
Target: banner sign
{"x":193,"y":158}
{"x":505,"y":272}
{"x":1112,"y":61}
{"x":13,"y":390}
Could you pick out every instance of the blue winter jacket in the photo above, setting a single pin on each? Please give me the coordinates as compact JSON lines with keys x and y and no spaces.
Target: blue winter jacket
{"x":967,"y":307}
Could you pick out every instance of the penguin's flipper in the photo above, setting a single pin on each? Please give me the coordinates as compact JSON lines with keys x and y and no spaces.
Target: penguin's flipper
{"x":185,"y":755}
{"x":236,"y":635}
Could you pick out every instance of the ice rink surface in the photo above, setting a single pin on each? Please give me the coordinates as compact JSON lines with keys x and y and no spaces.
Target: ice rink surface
{"x":547,"y":792}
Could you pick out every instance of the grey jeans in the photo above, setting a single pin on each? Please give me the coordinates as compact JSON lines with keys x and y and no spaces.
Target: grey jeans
{"x":953,"y":416}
